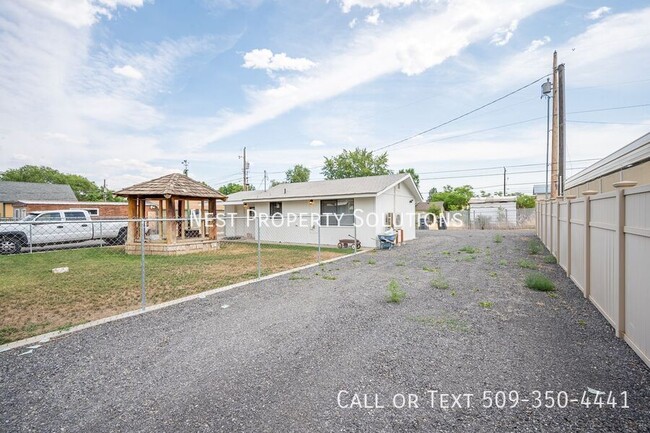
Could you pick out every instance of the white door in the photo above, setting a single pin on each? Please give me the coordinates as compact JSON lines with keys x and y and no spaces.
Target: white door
{"x":47,"y":228}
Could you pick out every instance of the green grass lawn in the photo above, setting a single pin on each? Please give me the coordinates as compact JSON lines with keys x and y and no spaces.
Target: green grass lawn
{"x":106,"y":281}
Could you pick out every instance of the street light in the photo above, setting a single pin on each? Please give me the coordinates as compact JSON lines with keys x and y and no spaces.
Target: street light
{"x":547,"y":88}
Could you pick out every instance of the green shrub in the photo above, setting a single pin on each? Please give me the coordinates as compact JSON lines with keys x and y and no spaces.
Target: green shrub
{"x":439,"y":283}
{"x":486,"y":304}
{"x":550,"y":260}
{"x":539,"y":282}
{"x":527,"y":264}
{"x":534,"y":247}
{"x":372,"y":261}
{"x":395,"y":294}
{"x":468,"y":250}
{"x":498,"y":238}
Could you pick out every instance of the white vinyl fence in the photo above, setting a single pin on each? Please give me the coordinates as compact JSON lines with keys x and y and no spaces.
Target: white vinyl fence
{"x":603,"y":243}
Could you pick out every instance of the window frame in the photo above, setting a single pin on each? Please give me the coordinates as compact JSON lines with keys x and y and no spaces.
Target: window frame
{"x":276,"y":214}
{"x":329,"y":219}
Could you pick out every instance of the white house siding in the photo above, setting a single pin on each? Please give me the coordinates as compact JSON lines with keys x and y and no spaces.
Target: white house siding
{"x":398,"y":200}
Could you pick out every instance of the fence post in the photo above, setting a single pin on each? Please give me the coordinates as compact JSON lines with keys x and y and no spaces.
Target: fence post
{"x":30,"y":238}
{"x":142,"y":268}
{"x":587,"y":264}
{"x":101,"y":232}
{"x":619,"y":263}
{"x":355,"y":237}
{"x":319,"y":242}
{"x":568,"y":240}
{"x":259,"y":248}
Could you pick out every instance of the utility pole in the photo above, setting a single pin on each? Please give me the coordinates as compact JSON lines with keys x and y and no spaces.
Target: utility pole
{"x":245,"y":172}
{"x":264,"y":180}
{"x":555,"y":141}
{"x":504,"y":181}
{"x":186,"y":165}
{"x":561,"y":131}
{"x":104,"y":190}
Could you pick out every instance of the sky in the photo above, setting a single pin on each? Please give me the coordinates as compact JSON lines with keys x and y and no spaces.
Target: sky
{"x":125,"y":90}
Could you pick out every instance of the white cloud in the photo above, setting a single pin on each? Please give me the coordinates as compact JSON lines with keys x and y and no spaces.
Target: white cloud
{"x":373,"y":17}
{"x":352,"y":24}
{"x":412,"y":47}
{"x":347,"y":5}
{"x":80,"y":13}
{"x":265,"y":59}
{"x":598,"y":13}
{"x":503,"y":35}
{"x":128,"y":71}
{"x":537,"y":43}
{"x":316,"y":143}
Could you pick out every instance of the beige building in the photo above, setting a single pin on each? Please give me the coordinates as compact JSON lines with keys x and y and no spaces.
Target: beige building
{"x":631,"y":162}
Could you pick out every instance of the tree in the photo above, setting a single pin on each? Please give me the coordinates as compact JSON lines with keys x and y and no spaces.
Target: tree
{"x":231,"y":188}
{"x":453,"y":198}
{"x":83,"y":188}
{"x":525,"y":201}
{"x":275,"y":183}
{"x":414,"y":175}
{"x":299,"y":173}
{"x":356,"y":163}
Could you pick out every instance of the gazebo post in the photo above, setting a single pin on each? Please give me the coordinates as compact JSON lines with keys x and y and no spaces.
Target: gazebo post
{"x":212,"y":210}
{"x":171,"y":222}
{"x":131,"y":213}
{"x":181,"y":223}
{"x":202,"y":218}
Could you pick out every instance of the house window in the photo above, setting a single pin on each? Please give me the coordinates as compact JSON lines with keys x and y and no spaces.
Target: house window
{"x":333,"y":211}
{"x":398,"y":220}
{"x":251,"y":212}
{"x":276,"y":209}
{"x":388,"y":219}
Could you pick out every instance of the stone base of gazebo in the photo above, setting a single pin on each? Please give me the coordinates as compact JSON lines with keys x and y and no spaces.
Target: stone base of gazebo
{"x":177,"y":249}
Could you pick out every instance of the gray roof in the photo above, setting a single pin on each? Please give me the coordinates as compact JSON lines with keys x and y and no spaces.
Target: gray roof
{"x":11,"y":192}
{"x":634,"y":153}
{"x":356,"y":186}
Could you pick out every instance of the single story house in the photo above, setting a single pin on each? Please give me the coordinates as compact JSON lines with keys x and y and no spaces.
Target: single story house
{"x":631,"y":162}
{"x":12,"y":192}
{"x":493,"y":211}
{"x":425,"y":219}
{"x":97,"y":209}
{"x":367,"y":206}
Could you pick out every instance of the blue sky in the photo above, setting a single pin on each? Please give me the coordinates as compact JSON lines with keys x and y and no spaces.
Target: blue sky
{"x":124,"y":90}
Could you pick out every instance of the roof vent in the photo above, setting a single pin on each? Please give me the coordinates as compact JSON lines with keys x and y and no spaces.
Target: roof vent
{"x":285,"y":190}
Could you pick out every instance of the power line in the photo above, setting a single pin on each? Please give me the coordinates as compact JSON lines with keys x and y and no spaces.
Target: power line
{"x":606,"y":123}
{"x":462,"y":115}
{"x":492,"y":174}
{"x":608,"y":109}
{"x":501,"y":167}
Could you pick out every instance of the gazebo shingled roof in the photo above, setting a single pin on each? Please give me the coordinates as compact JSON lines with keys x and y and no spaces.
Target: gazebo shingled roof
{"x":175,"y":184}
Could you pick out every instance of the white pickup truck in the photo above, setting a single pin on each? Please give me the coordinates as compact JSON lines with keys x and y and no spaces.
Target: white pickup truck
{"x":58,"y":227}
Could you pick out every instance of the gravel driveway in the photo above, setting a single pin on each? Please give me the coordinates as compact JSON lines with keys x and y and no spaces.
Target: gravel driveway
{"x":288,"y":352}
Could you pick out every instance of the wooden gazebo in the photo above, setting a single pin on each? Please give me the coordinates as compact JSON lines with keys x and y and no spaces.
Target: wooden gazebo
{"x":174,"y":200}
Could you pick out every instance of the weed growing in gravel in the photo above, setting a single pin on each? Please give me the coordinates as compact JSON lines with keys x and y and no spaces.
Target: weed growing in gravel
{"x":449,"y":323}
{"x":498,"y":238}
{"x":486,"y":304}
{"x":400,"y":264}
{"x":503,"y":262}
{"x":550,"y":260}
{"x":469,"y":258}
{"x":395,"y":294}
{"x":493,"y":274}
{"x":445,"y":253}
{"x":582,"y":323}
{"x":539,"y":282}
{"x":527,"y":264}
{"x":430,"y":269}
{"x":372,"y":261}
{"x":356,"y":261}
{"x":534,"y":247}
{"x":296,"y":276}
{"x":468,"y":250}
{"x":453,"y":293}
{"x":329,"y":277}
{"x":440,"y":283}
{"x":552,"y":295}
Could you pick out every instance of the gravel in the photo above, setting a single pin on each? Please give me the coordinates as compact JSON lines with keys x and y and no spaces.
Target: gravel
{"x":279,"y":356}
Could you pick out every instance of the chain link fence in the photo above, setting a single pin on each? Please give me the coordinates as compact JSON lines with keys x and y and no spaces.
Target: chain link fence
{"x":63,"y":270}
